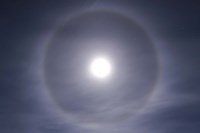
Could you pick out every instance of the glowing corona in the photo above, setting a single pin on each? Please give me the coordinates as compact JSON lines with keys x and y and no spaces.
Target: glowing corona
{"x":100,"y":68}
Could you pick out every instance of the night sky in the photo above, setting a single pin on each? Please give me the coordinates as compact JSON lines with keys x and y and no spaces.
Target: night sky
{"x":45,"y":47}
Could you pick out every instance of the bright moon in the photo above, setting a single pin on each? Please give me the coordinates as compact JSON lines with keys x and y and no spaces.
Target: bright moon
{"x":100,"y":67}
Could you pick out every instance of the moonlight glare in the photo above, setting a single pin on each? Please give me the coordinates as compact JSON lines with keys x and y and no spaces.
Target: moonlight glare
{"x":100,"y":68}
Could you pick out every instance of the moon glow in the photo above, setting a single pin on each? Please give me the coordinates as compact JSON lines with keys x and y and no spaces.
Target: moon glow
{"x":100,"y":68}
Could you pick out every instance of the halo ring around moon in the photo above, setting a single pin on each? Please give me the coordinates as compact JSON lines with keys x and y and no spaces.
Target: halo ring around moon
{"x":78,"y":115}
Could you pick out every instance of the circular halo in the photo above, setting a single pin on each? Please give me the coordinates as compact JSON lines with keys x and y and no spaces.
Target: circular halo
{"x":60,"y":103}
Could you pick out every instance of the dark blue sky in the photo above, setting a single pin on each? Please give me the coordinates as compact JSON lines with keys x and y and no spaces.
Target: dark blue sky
{"x":28,"y":104}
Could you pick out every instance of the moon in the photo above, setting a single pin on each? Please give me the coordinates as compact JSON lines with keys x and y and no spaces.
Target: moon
{"x":100,"y":68}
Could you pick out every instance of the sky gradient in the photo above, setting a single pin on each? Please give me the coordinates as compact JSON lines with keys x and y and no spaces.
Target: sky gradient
{"x":154,"y":45}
